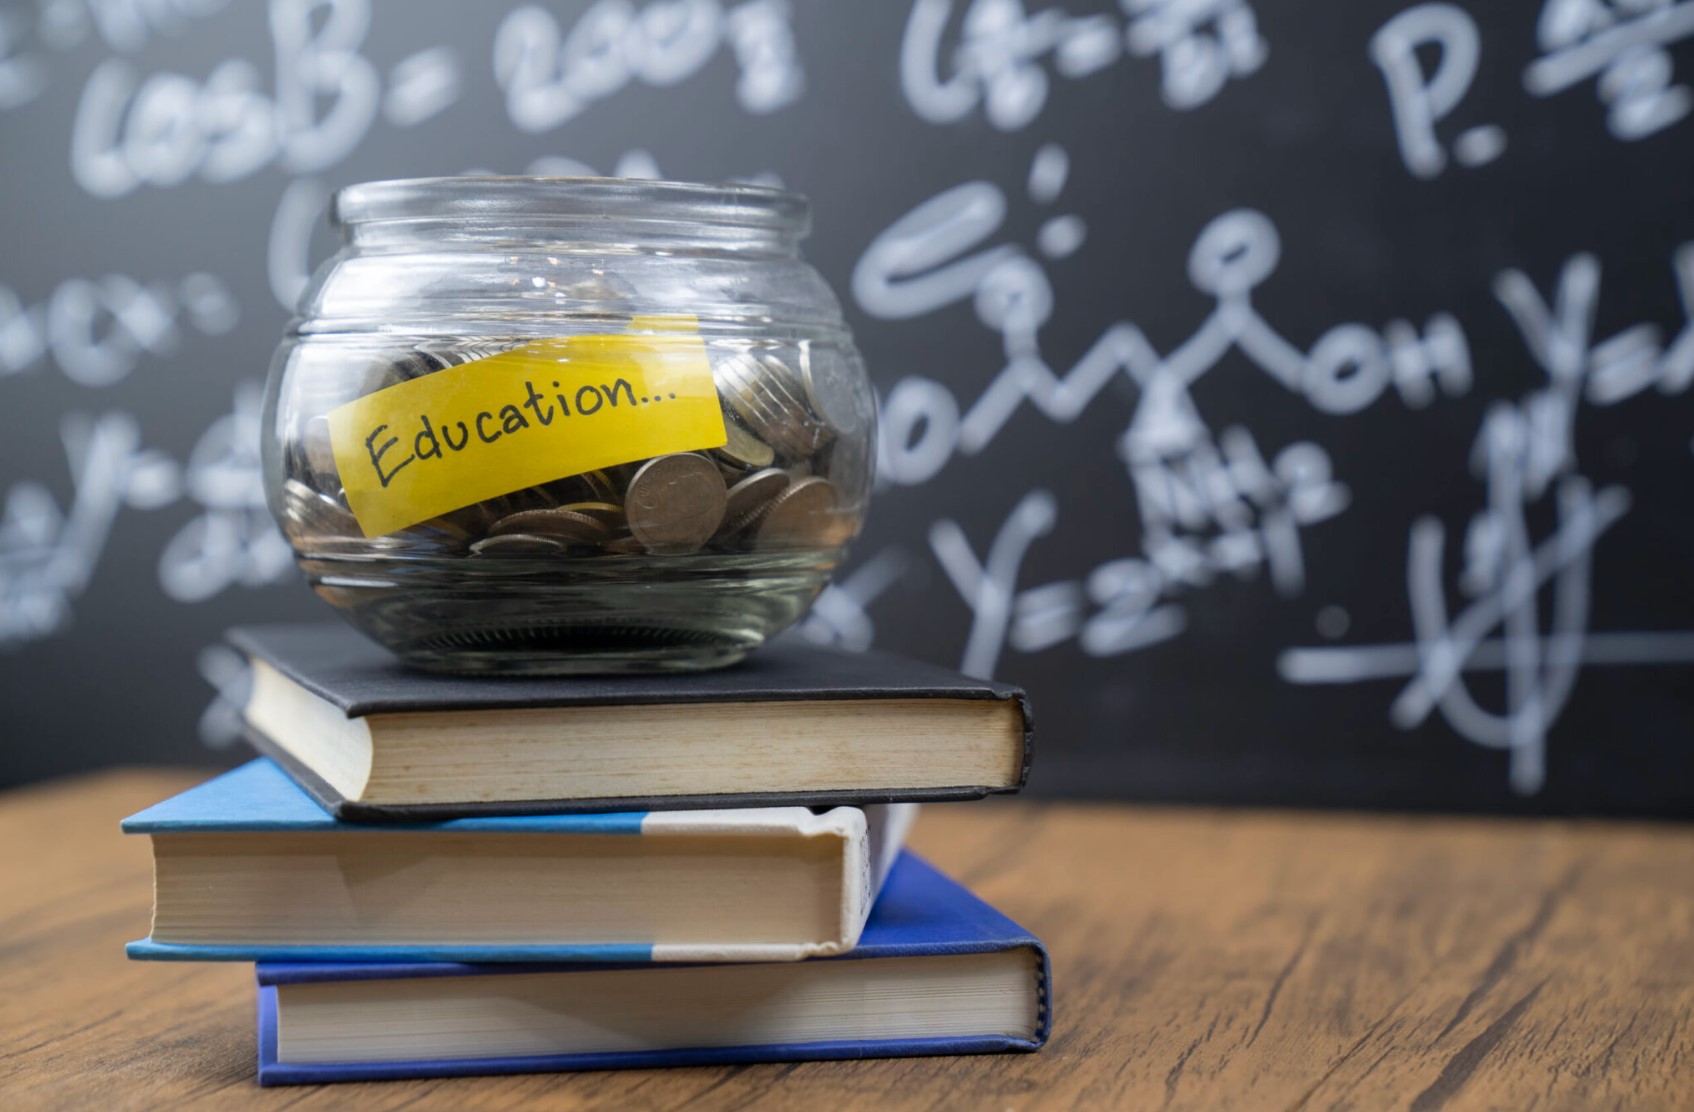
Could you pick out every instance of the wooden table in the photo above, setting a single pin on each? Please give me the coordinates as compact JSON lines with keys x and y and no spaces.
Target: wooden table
{"x":1203,"y":959}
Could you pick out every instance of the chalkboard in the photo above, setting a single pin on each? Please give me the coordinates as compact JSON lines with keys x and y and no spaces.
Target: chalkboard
{"x":1295,"y":397}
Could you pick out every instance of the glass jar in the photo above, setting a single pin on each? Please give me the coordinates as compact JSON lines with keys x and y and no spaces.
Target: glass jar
{"x":568,"y":425}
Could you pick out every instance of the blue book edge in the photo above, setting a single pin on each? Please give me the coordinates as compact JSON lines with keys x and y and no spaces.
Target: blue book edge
{"x":260,"y":796}
{"x":922,"y":912}
{"x":396,"y":957}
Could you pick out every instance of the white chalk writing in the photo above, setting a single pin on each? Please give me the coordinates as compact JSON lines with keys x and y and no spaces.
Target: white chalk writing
{"x":98,"y":331}
{"x":49,"y":552}
{"x":1420,"y":99}
{"x":1000,"y":62}
{"x":1525,"y":453}
{"x":1624,"y":44}
{"x":550,"y":77}
{"x":166,"y":128}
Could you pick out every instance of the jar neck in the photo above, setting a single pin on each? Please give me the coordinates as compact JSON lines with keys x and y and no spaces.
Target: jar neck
{"x":567,"y":237}
{"x":570,"y":216}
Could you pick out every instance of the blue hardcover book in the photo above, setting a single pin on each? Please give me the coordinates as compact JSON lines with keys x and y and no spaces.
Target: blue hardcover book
{"x":248,"y":867}
{"x":937,"y":971}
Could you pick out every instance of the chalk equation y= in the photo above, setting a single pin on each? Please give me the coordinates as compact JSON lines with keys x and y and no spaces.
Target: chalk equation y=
{"x":49,"y":552}
{"x":1525,"y":454}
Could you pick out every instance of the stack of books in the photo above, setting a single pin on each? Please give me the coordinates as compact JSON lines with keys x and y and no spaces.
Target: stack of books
{"x":442,"y":876}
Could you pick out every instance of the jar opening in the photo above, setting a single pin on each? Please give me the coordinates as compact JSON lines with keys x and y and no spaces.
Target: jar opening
{"x":520,"y":204}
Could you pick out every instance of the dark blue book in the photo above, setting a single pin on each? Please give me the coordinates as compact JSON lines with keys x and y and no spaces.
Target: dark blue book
{"x":937,"y":971}
{"x":793,"y":725}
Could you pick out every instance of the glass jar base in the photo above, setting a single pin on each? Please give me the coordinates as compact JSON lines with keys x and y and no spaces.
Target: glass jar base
{"x":539,"y":660}
{"x":570,"y":617}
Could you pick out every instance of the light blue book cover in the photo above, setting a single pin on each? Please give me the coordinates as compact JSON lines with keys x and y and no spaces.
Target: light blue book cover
{"x":260,"y":798}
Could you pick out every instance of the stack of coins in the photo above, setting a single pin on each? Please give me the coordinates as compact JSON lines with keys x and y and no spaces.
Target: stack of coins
{"x":767,"y":489}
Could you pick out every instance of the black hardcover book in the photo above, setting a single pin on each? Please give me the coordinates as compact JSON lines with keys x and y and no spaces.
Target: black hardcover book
{"x":794,"y":724}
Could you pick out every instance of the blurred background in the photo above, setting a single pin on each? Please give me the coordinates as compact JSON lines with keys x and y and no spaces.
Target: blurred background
{"x":1297,"y":398}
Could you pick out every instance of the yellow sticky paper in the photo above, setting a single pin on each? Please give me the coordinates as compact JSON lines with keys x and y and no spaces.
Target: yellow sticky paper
{"x":536,"y":413}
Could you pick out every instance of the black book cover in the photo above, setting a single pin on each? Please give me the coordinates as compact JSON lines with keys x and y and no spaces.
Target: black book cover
{"x":339,"y":665}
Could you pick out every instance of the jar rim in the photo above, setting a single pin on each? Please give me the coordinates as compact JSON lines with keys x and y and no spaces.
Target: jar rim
{"x":517,"y":199}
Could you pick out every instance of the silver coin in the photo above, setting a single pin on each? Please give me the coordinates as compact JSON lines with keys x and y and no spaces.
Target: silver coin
{"x":770,"y":399}
{"x":471,"y":351}
{"x":517,"y":544}
{"x":830,"y":388}
{"x":743,"y":450}
{"x":558,"y":523}
{"x":609,"y":514}
{"x":310,"y":516}
{"x":675,"y":502}
{"x":297,"y":498}
{"x":410,"y":365}
{"x":751,"y":497}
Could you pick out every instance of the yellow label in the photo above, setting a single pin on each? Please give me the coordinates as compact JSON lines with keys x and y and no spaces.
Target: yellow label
{"x":527,"y":416}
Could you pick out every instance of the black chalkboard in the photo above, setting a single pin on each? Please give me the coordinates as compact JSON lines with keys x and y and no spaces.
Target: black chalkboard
{"x":1294,"y":397}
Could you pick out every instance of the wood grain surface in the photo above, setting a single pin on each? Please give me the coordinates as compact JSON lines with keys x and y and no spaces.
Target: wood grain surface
{"x":1202,"y":959}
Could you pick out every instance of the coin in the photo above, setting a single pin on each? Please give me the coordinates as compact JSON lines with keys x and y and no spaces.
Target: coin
{"x":838,"y":527}
{"x":830,"y":388}
{"x":774,"y":415}
{"x":315,"y":516}
{"x":448,"y":527}
{"x":770,"y":399}
{"x":473,"y":519}
{"x":801,"y":516}
{"x":675,"y":502}
{"x":517,"y":544}
{"x":590,"y":486}
{"x":609,"y":514}
{"x":599,"y":486}
{"x":558,"y":523}
{"x":410,"y":365}
{"x":744,"y":450}
{"x":472,"y":351}
{"x":320,"y":454}
{"x":297,"y":498}
{"x":749,"y":498}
